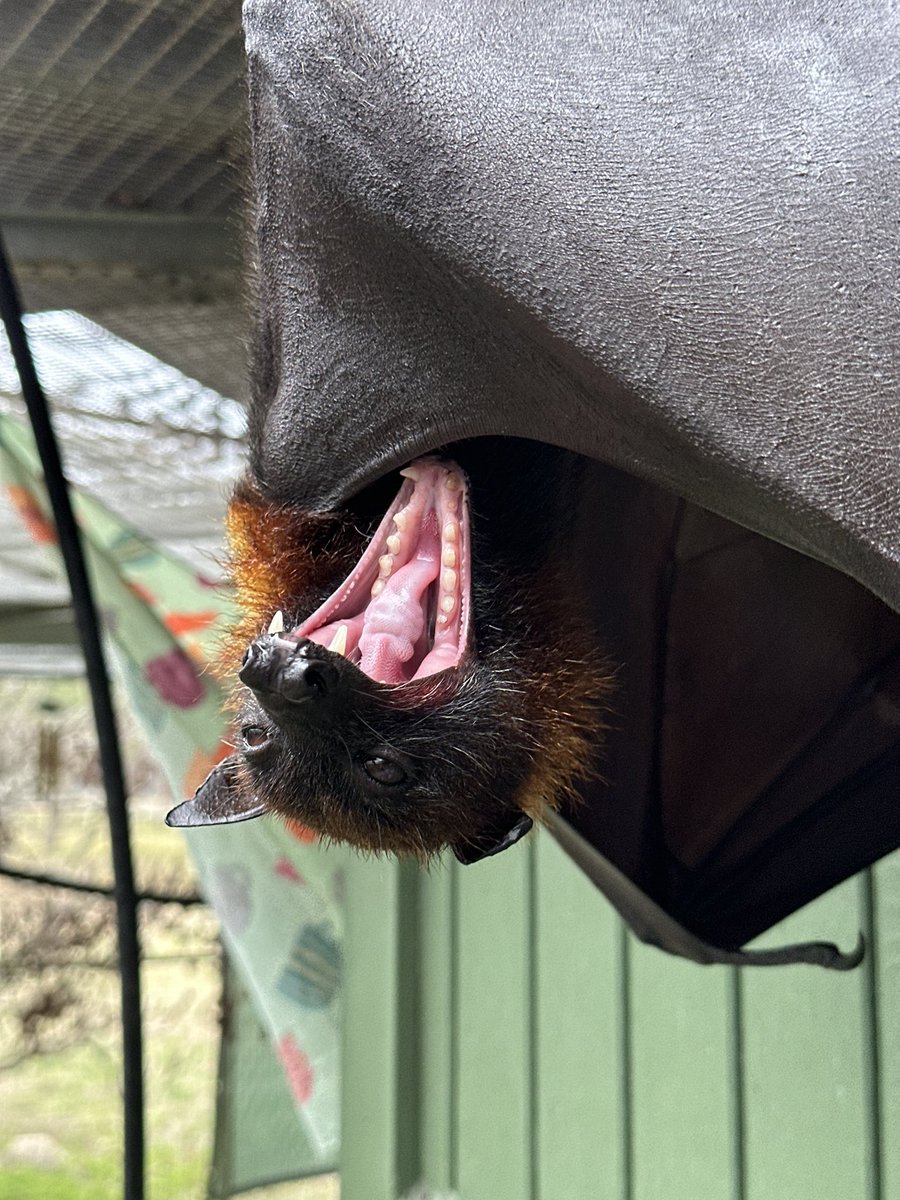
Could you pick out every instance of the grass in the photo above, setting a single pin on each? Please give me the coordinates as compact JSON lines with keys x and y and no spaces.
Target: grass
{"x":60,"y":1074}
{"x":73,"y":1099}
{"x":71,"y":1095}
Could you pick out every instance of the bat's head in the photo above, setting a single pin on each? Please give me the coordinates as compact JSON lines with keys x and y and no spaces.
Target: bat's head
{"x":443,"y":693}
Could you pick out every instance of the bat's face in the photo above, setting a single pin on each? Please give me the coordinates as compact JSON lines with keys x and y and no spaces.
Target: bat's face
{"x":441,"y":691}
{"x":405,"y":768}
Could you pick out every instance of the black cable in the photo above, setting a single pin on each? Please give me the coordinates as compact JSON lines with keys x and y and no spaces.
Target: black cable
{"x":94,"y":889}
{"x":107,"y":736}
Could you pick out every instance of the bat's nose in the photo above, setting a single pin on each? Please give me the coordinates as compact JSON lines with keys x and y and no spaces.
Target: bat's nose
{"x":279,"y":670}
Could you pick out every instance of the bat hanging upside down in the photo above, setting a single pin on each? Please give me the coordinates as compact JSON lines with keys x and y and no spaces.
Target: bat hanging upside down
{"x":556,"y":260}
{"x":415,"y":678}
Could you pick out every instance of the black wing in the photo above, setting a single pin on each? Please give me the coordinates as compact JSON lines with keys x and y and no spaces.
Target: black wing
{"x":567,"y":225}
{"x":754,"y":758}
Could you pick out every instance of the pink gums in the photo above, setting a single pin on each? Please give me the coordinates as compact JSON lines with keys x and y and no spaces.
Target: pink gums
{"x":403,"y":612}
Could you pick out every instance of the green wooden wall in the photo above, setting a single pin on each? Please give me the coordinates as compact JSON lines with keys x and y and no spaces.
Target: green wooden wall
{"x":506,"y":1039}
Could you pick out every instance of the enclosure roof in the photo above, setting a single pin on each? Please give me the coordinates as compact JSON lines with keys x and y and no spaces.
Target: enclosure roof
{"x":121,"y":135}
{"x":121,"y":143}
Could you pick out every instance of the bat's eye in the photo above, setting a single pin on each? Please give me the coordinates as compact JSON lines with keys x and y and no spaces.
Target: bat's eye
{"x":384,"y":770}
{"x":254,"y":737}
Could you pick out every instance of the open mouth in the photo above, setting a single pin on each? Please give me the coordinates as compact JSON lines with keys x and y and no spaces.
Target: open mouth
{"x":403,"y":612}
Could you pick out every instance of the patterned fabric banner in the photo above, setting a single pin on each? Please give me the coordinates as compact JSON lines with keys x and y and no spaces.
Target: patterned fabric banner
{"x":278,"y":894}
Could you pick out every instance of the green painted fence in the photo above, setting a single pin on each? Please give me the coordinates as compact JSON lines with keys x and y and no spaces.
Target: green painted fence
{"x":506,"y":1039}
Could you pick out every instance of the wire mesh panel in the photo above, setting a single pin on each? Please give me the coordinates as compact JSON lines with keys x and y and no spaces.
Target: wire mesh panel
{"x":194,"y":320}
{"x":156,"y":447}
{"x":119,"y":104}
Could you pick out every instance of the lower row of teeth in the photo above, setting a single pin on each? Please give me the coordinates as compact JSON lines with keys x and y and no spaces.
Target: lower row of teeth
{"x":449,"y":577}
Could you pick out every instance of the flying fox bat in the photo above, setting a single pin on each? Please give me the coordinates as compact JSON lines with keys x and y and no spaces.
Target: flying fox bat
{"x":619,"y":296}
{"x":433,"y":681}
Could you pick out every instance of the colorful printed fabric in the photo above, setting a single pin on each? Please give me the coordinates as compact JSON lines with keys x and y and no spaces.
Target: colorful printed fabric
{"x":276,"y":891}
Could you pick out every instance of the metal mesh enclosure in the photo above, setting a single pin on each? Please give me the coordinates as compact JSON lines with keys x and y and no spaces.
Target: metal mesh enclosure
{"x":121,"y":127}
{"x":127,"y":105}
{"x":156,"y":447}
{"x":121,"y":135}
{"x":194,"y":321}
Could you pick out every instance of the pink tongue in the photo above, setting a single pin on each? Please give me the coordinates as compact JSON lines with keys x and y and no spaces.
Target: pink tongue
{"x":395,"y":620}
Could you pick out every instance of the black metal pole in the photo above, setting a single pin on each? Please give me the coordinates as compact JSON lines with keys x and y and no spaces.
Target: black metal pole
{"x":107,"y":736}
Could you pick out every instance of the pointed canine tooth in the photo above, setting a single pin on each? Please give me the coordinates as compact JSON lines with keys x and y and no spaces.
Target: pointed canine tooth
{"x":384,"y":565}
{"x":412,"y":473}
{"x":339,"y":644}
{"x":448,"y":556}
{"x":447,"y":604}
{"x":450,"y":531}
{"x":377,"y":588}
{"x":448,"y":579}
{"x":401,"y":519}
{"x":393,"y":543}
{"x":276,"y":625}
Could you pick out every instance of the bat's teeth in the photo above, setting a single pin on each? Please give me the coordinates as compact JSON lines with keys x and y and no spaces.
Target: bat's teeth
{"x":401,"y":519}
{"x":339,"y":642}
{"x":449,"y":580}
{"x":276,"y":625}
{"x":413,"y":473}
{"x":448,"y":603}
{"x":448,"y":556}
{"x":450,"y":531}
{"x":377,"y":588}
{"x":393,"y":543}
{"x":385,"y":564}
{"x":452,"y":483}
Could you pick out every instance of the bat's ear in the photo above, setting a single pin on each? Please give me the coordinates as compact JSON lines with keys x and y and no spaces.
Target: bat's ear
{"x":492,"y":840}
{"x":219,"y":800}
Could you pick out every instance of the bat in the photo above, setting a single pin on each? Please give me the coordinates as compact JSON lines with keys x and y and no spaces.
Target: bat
{"x":416,"y":678}
{"x":643,"y":328}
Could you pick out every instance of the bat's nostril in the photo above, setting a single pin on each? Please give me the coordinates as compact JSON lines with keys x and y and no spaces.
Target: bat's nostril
{"x":255,"y":666}
{"x":309,"y":680}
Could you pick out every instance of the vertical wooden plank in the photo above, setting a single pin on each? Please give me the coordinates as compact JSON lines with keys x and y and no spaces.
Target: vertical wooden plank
{"x":806,"y":1097}
{"x":886,"y":880}
{"x":579,"y":1064}
{"x":683,"y":1079}
{"x":437,"y":1016}
{"x":379,"y":1094}
{"x":493,"y":1003}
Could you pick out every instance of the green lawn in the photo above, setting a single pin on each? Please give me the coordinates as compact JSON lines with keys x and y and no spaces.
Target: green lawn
{"x":60,"y":1136}
{"x":60,"y":1059}
{"x":60,"y":1131}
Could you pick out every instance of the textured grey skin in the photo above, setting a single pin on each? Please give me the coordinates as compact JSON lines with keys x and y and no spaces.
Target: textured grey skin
{"x":662,"y":235}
